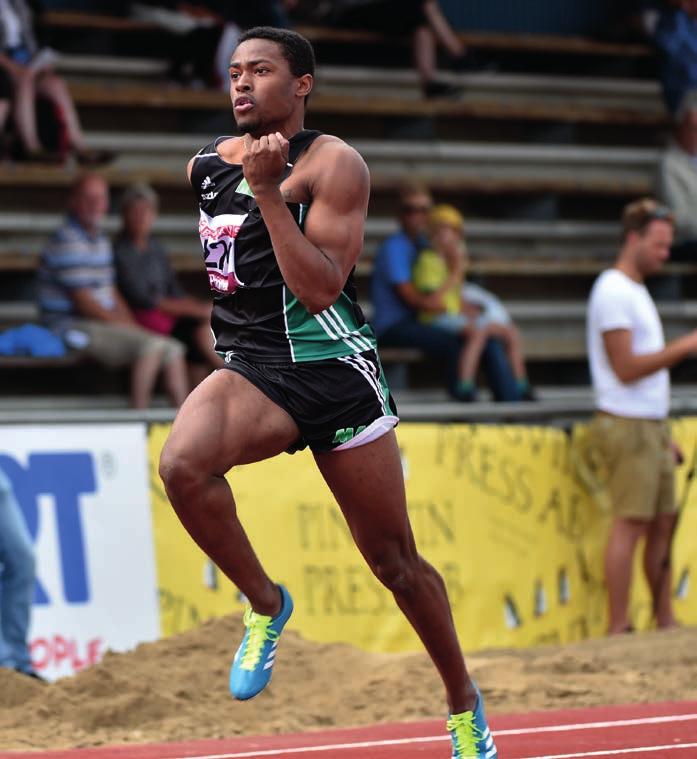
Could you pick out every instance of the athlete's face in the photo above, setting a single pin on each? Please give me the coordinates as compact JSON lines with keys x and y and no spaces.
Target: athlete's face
{"x":653,"y":247}
{"x":264,"y":92}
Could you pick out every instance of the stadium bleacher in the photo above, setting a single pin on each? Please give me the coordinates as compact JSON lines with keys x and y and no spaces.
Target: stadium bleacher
{"x":540,"y":160}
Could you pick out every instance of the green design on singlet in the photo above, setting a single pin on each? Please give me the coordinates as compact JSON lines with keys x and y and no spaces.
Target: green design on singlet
{"x":330,"y":334}
{"x":244,"y":189}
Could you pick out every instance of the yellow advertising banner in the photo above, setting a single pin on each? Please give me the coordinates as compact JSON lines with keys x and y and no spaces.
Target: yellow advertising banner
{"x":515,"y":526}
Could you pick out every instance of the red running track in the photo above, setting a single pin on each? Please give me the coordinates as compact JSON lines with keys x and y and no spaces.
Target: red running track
{"x":645,"y":730}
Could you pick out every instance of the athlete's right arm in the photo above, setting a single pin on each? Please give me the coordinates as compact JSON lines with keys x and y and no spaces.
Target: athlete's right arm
{"x":316,"y":261}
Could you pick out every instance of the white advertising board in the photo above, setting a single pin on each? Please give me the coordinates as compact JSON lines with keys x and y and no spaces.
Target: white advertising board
{"x":84,"y":493}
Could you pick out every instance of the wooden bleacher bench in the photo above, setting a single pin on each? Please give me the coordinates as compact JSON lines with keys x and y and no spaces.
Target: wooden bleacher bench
{"x":552,"y":332}
{"x":69,"y":361}
{"x":14,"y":313}
{"x":483,"y":168}
{"x":537,"y":43}
{"x":62,"y":19}
{"x":503,"y":247}
{"x":104,"y":96}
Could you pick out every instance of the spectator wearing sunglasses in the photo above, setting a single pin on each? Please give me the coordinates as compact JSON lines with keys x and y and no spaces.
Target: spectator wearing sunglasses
{"x":397,"y":302}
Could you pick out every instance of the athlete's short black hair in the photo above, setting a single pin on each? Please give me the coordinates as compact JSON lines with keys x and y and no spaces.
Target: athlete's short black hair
{"x":297,"y":50}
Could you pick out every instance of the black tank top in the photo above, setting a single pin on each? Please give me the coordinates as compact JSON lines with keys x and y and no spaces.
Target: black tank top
{"x":254,"y":312}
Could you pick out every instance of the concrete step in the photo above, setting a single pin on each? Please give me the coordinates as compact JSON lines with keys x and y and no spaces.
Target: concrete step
{"x":555,"y":405}
{"x":493,"y":244}
{"x":536,"y":89}
{"x":360,"y":82}
{"x":551,"y":330}
{"x":443,"y":164}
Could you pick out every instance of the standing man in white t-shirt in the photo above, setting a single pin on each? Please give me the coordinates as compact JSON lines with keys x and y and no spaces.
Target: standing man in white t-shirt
{"x":629,"y":363}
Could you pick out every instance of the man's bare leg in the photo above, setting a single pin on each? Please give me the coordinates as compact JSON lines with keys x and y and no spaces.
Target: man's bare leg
{"x":470,"y":356}
{"x":25,"y":111}
{"x":424,"y":53}
{"x":512,"y":340}
{"x":224,"y":422}
{"x":176,"y":380}
{"x":144,"y":373}
{"x":442,"y":30}
{"x":368,"y":484}
{"x":619,"y":555}
{"x":55,"y":89}
{"x":658,"y":569}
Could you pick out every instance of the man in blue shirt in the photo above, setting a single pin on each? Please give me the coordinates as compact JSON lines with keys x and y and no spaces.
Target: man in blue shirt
{"x":396,"y":302}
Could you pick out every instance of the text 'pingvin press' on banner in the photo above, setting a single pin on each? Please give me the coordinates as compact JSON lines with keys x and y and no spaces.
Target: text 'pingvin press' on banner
{"x":512,"y":517}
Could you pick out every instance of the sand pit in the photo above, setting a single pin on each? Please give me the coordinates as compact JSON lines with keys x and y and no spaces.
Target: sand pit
{"x":176,"y":689}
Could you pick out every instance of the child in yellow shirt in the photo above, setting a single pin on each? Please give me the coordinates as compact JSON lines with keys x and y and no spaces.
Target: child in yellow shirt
{"x":467,"y":309}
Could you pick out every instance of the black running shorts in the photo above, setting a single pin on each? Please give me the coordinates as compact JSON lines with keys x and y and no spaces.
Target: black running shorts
{"x":337,"y":403}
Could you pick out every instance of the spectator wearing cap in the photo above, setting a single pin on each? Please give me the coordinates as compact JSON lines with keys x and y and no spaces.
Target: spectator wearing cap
{"x":629,"y":362}
{"x":397,"y":301}
{"x":472,"y":312}
{"x":149,"y":284}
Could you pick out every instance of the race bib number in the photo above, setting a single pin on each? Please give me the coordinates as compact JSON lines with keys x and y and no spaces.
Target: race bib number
{"x":218,"y":236}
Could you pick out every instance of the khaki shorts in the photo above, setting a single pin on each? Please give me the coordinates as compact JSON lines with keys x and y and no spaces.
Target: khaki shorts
{"x":640,"y":464}
{"x":120,"y":345}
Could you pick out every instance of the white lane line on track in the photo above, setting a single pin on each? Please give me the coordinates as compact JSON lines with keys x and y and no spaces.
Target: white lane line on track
{"x":618,"y":751}
{"x":444,"y":737}
{"x":598,"y":725}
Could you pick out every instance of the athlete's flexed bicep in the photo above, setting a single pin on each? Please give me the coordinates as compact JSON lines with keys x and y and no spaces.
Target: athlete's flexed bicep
{"x":336,"y":219}
{"x":315,"y":262}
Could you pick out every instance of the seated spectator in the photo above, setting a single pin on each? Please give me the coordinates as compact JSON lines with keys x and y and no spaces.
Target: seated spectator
{"x":424,"y":22}
{"x":28,"y":72}
{"x":236,"y":18}
{"x":79,"y":300}
{"x":191,"y":32}
{"x":470,"y":310}
{"x":148,"y":283}
{"x":397,"y":302}
{"x":676,"y":39}
{"x":676,"y":185}
{"x":677,"y":179}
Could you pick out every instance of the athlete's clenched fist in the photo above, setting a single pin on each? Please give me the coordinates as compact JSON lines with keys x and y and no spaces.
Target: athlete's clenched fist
{"x":264,"y":160}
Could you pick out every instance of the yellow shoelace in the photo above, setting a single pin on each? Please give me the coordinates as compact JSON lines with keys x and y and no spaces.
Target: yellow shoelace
{"x":259,"y":632}
{"x":467,"y":734}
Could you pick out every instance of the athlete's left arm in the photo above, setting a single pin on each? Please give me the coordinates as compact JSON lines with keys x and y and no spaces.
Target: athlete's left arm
{"x":316,"y":261}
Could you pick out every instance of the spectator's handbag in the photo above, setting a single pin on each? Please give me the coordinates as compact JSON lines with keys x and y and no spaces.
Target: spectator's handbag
{"x":155,"y":320}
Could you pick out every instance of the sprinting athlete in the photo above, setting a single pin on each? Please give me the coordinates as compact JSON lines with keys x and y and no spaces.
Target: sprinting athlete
{"x":282,"y":217}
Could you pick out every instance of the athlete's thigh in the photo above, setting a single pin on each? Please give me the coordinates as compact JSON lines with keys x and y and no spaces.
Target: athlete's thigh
{"x":227,"y":421}
{"x":368,"y":485}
